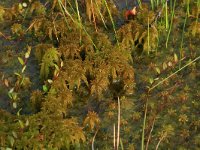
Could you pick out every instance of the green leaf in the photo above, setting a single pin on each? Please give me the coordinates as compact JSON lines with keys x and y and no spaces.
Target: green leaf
{"x":157,"y":70}
{"x":17,"y":74}
{"x":14,"y":96}
{"x":21,"y":61}
{"x":50,"y":81}
{"x":164,"y":66}
{"x":175,"y":58}
{"x":12,"y":140}
{"x":14,"y":134}
{"x":45,"y":88}
{"x":23,"y":69}
{"x":15,"y":105}
{"x":27,"y":54}
{"x":151,"y":80}
{"x":56,"y":66}
{"x":21,"y":124}
{"x":18,"y":113}
{"x":27,"y":123}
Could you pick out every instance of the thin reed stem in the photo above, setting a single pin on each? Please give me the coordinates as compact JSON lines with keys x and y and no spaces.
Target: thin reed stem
{"x":93,"y":139}
{"x":160,"y":141}
{"x":140,"y":4}
{"x":102,"y":17}
{"x":118,"y":124}
{"x":159,"y":83}
{"x":171,"y":23}
{"x":79,"y":19}
{"x":114,"y":137}
{"x":144,"y":124}
{"x":166,"y":16}
{"x":111,"y":18}
{"x":149,"y":137}
{"x":152,"y":4}
{"x":148,"y":36}
{"x":182,"y":37}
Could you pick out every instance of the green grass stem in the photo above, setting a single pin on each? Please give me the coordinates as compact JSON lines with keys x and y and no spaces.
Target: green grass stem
{"x":140,"y":4}
{"x":111,"y":18}
{"x":148,"y":36}
{"x":188,"y":7}
{"x":171,"y":23}
{"x":152,"y":4}
{"x":102,"y":17}
{"x":79,"y":19}
{"x":64,"y":14}
{"x":197,"y":17}
{"x":166,"y":16}
{"x":182,"y":38}
{"x":144,"y":125}
{"x":161,"y":82}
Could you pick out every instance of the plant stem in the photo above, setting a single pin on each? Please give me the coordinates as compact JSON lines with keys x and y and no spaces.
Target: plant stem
{"x":160,"y":141}
{"x":152,"y":4}
{"x":79,"y":19}
{"x":174,"y":73}
{"x":149,"y":137}
{"x":166,"y":16}
{"x":188,"y":7}
{"x":93,"y":139}
{"x":111,"y":18}
{"x":182,"y":37}
{"x":171,"y":23}
{"x":196,"y":22}
{"x":140,"y":4}
{"x":121,"y":144}
{"x":114,"y":137}
{"x":102,"y":17}
{"x":144,"y":124}
{"x":118,"y":126}
{"x":148,"y":36}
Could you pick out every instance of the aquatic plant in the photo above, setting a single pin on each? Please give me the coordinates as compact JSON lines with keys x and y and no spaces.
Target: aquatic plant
{"x":80,"y":88}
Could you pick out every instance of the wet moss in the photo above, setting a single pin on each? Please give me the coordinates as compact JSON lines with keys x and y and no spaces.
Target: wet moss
{"x":82,"y":69}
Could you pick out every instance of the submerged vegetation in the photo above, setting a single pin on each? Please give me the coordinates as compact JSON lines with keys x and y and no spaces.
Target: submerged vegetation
{"x":80,"y":75}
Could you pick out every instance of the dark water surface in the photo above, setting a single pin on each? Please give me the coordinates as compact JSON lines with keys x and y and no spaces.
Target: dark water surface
{"x":127,"y":4}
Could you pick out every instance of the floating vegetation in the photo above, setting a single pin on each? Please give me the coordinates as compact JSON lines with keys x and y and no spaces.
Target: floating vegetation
{"x":84,"y":75}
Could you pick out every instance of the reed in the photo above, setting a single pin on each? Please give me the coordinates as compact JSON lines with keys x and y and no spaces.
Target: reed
{"x":197,"y":15}
{"x":188,"y":7}
{"x":139,"y":3}
{"x":182,"y":38}
{"x":152,"y":4}
{"x":144,"y":125}
{"x":102,"y":17}
{"x":166,"y":16}
{"x":79,"y":19}
{"x":112,"y":21}
{"x":148,"y":37}
{"x":171,"y":23}
{"x":118,"y":124}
